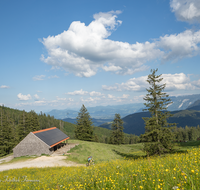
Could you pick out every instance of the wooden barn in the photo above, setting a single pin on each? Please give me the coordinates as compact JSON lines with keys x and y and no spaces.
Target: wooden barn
{"x":45,"y":141}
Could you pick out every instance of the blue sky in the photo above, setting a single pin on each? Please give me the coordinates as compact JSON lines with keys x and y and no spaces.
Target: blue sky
{"x":62,"y":54}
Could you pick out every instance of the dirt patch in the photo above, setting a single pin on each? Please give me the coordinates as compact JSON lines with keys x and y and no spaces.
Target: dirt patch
{"x":6,"y":159}
{"x":55,"y":160}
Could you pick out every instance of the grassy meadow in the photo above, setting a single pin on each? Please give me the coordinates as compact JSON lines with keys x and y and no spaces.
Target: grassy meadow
{"x":113,"y":170}
{"x":102,"y":152}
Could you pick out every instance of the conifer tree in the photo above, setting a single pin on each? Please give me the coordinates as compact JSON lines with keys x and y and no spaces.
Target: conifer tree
{"x":33,"y":121}
{"x":158,"y":136}
{"x":84,"y":127}
{"x":117,"y":135}
{"x":2,"y":127}
{"x":6,"y":135}
{"x":23,"y":126}
{"x":96,"y":139}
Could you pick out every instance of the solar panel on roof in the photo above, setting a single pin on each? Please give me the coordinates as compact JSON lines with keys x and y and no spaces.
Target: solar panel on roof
{"x":51,"y":137}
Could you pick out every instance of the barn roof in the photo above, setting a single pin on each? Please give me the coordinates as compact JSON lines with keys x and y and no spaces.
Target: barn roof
{"x":51,"y":136}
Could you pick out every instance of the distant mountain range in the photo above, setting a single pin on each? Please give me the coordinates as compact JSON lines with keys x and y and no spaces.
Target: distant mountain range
{"x":108,"y":112}
{"x":134,"y":124}
{"x":99,"y":112}
{"x":96,"y":122}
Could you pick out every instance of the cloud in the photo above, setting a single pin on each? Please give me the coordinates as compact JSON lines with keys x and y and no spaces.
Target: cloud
{"x":196,"y":83}
{"x":62,"y":99}
{"x":111,"y":68}
{"x":38,"y":77}
{"x":78,"y":92}
{"x":133,"y":84}
{"x":105,"y":87}
{"x":83,"y":50}
{"x":90,"y":99}
{"x":125,"y":96}
{"x":24,"y":97}
{"x":81,"y":92}
{"x":177,"y":81}
{"x":93,"y":93}
{"x":4,"y":86}
{"x":111,"y":96}
{"x":55,"y":76}
{"x":178,"y":46}
{"x":186,"y":10}
{"x":36,"y":97}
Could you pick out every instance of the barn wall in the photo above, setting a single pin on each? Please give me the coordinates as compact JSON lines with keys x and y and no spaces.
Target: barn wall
{"x":31,"y":145}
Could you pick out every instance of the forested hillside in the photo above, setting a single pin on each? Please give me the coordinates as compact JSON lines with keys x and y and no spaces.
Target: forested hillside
{"x":194,"y":106}
{"x":16,"y":124}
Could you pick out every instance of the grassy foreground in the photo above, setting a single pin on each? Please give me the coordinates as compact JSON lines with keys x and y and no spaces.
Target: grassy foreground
{"x":170,"y":172}
{"x":175,"y":171}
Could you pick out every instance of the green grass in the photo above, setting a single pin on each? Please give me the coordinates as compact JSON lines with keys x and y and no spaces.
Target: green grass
{"x":185,"y":146}
{"x":106,"y":152}
{"x":101,"y":152}
{"x":111,"y":171}
{"x":189,"y":144}
{"x":177,"y":171}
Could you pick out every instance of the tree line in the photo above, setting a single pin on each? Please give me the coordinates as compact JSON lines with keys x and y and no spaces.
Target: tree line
{"x":186,"y":134}
{"x":14,"y":126}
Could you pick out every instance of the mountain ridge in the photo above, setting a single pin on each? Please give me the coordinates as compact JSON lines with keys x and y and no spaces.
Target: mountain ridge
{"x":108,"y":112}
{"x":134,"y":124}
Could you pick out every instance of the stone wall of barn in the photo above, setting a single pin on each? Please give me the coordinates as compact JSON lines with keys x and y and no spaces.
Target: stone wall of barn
{"x":32,"y":145}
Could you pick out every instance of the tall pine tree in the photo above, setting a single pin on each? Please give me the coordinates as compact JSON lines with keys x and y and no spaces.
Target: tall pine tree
{"x":117,"y":135}
{"x":6,"y":134}
{"x":158,"y":136}
{"x":33,"y":121}
{"x":84,"y":127}
{"x":23,"y":126}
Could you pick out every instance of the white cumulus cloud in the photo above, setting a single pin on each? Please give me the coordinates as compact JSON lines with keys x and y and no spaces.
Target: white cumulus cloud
{"x":186,"y":10}
{"x":82,"y":92}
{"x":36,"y":97}
{"x":133,"y":84}
{"x":4,"y":86}
{"x":61,"y":99}
{"x":111,"y":96}
{"x":177,"y":81}
{"x":24,"y":97}
{"x":112,"y":68}
{"x":38,"y":77}
{"x":178,"y":46}
{"x":93,"y":93}
{"x":55,"y":76}
{"x":196,"y":83}
{"x":78,"y":92}
{"x":84,"y":49}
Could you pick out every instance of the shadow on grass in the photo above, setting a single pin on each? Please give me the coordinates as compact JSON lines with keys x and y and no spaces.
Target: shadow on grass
{"x":178,"y":151}
{"x":129,"y":156}
{"x":190,"y":143}
{"x":133,"y":156}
